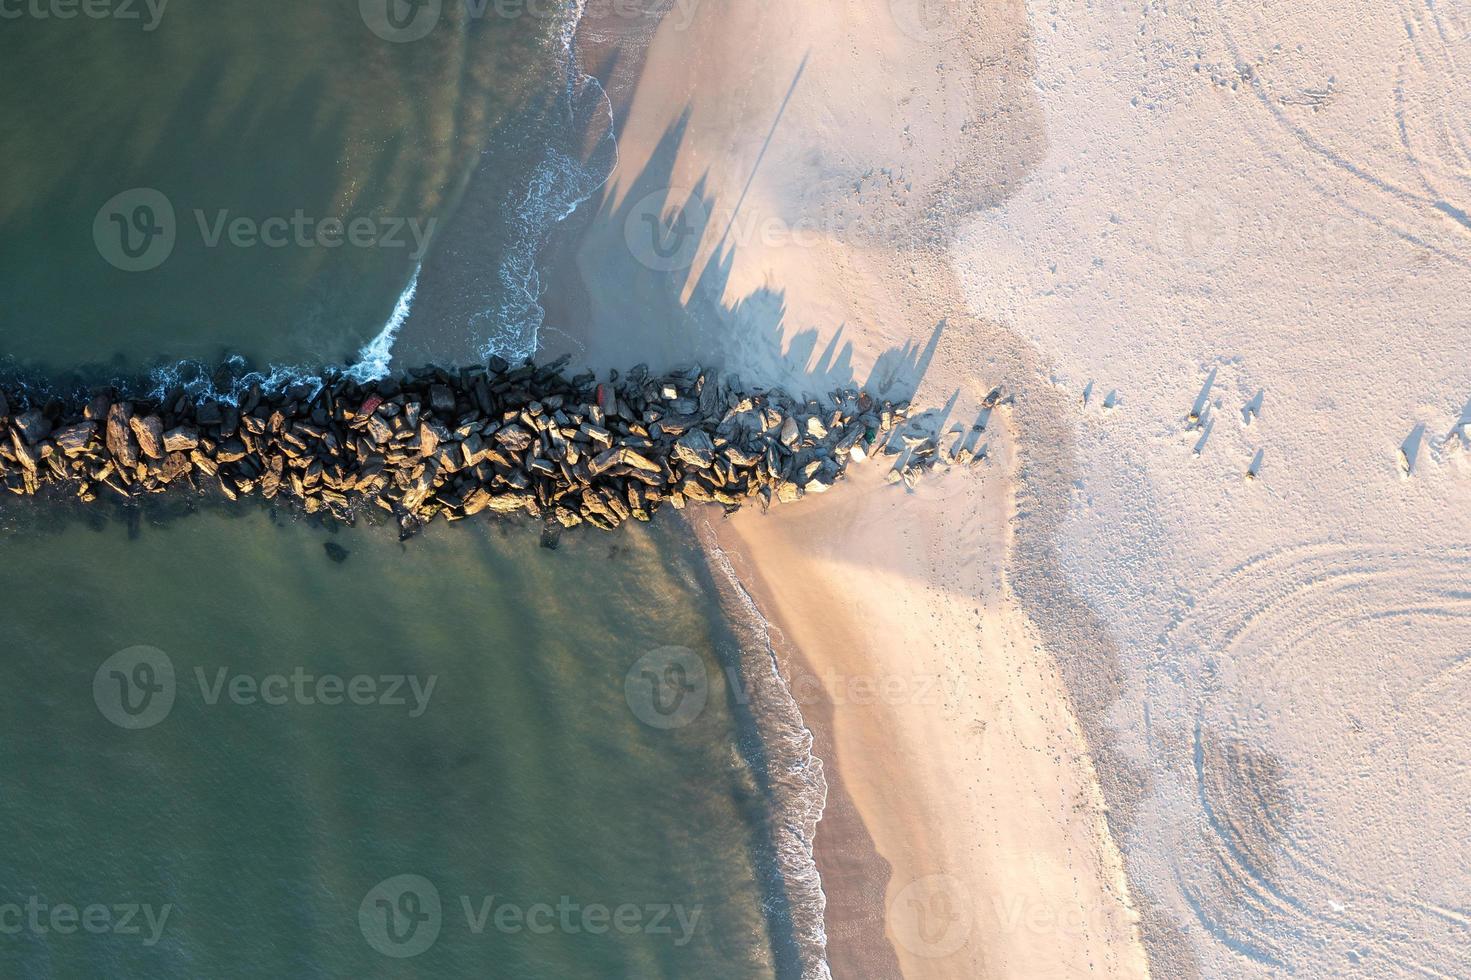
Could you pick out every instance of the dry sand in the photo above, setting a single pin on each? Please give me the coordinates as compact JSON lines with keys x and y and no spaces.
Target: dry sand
{"x":821,"y":156}
{"x":1252,"y":205}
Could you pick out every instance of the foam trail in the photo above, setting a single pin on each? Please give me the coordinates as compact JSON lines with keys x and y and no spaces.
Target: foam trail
{"x":373,"y":360}
{"x":559,"y":184}
{"x":799,"y":783}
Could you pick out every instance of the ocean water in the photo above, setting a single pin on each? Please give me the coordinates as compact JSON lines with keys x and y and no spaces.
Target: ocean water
{"x":226,"y":753}
{"x":503,"y":744}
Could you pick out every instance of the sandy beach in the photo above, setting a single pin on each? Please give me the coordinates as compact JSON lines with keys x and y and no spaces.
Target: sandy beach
{"x":1173,"y":682}
{"x":816,"y":162}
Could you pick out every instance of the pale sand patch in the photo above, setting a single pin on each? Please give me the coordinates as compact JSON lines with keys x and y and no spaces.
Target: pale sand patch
{"x":829,"y":154}
{"x":1274,"y":198}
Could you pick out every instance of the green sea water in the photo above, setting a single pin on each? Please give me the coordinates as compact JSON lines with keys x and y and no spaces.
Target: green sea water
{"x":494,"y":748}
{"x":222,"y":753}
{"x":266,"y":112}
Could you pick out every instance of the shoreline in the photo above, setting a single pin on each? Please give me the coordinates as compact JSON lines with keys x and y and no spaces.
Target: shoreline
{"x":978,"y":798}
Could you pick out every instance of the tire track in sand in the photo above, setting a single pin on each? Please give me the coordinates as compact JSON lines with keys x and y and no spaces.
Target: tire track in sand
{"x":1249,"y":666}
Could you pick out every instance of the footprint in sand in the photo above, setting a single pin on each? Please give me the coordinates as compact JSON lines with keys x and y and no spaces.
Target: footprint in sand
{"x":1409,"y":451}
{"x":1109,"y":403}
{"x":1252,"y":409}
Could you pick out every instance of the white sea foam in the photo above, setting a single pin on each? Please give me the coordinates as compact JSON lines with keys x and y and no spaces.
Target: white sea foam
{"x":375,"y":357}
{"x":798,"y":787}
{"x":557,"y":186}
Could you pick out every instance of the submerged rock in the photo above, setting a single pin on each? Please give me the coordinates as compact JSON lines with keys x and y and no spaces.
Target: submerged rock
{"x":336,"y":552}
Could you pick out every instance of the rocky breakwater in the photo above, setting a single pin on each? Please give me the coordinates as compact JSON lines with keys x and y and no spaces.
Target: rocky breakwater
{"x":453,"y":444}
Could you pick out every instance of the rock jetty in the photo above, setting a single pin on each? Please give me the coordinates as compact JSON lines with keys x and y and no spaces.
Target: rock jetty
{"x":453,"y":444}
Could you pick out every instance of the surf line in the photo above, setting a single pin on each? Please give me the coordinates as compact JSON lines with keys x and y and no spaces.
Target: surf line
{"x":373,"y":360}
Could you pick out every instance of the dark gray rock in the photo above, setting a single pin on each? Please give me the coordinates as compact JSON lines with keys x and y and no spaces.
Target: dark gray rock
{"x":789,"y":432}
{"x":33,"y":426}
{"x":174,"y":466}
{"x":378,"y":430}
{"x":696,"y":449}
{"x":24,"y":454}
{"x":231,"y":451}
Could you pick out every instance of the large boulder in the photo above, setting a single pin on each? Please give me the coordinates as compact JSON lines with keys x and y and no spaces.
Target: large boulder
{"x":149,"y":432}
{"x":378,"y":430}
{"x":231,"y":451}
{"x":442,"y":400}
{"x":511,"y":502}
{"x":623,"y":456}
{"x":120,"y":441}
{"x":474,"y":450}
{"x":428,"y":439}
{"x":696,"y":449}
{"x":789,"y":433}
{"x":745,"y":460}
{"x":419,"y":490}
{"x":24,"y":454}
{"x":174,"y":466}
{"x":73,"y":439}
{"x":478,"y":500}
{"x":596,"y":433}
{"x":514,"y":438}
{"x":33,"y":427}
{"x":181,"y":439}
{"x":209,"y":413}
